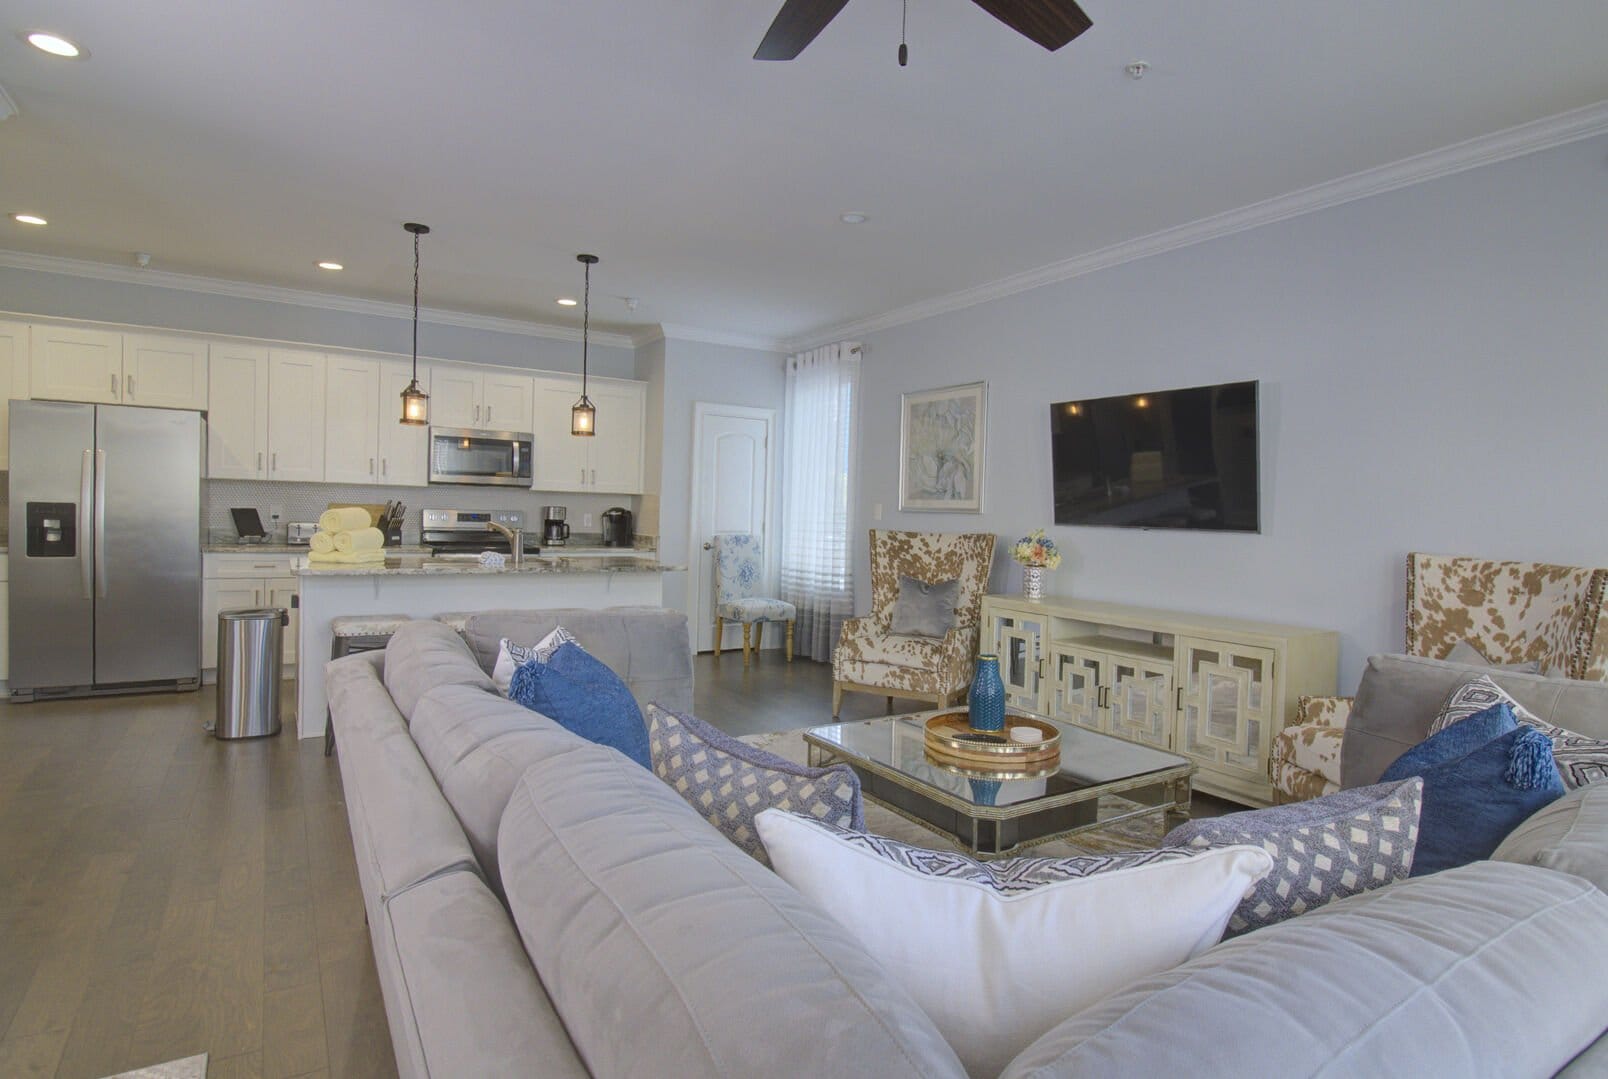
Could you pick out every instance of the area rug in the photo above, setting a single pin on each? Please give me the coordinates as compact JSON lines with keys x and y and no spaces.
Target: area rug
{"x":188,"y":1068}
{"x":1142,"y":833}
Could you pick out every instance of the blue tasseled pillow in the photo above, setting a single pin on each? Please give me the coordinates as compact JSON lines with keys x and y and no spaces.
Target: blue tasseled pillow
{"x":1483,"y":777}
{"x":579,"y":692}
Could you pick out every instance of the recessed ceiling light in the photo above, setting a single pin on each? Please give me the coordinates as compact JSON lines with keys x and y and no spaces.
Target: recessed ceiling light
{"x":567,"y":301}
{"x":28,"y":219}
{"x":854,"y":217}
{"x":327,"y":265}
{"x":54,"y":44}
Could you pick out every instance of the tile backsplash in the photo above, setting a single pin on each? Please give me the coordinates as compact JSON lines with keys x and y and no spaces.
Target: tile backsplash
{"x":305,"y":501}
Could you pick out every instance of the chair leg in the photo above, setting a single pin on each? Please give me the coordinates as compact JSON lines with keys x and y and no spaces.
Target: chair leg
{"x":720,"y":636}
{"x":748,"y":631}
{"x":837,"y":699}
{"x":789,"y":640}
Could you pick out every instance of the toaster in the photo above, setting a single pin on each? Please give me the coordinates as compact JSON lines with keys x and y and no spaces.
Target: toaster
{"x":300,"y":533}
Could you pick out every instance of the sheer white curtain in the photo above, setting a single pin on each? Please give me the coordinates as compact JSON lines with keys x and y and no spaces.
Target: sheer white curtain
{"x":817,"y":490}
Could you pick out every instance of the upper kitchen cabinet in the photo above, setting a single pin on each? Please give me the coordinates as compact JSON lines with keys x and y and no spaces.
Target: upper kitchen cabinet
{"x":14,"y":380}
{"x":484,"y":399}
{"x":237,"y":413}
{"x":610,"y":462}
{"x":164,"y":372}
{"x":70,"y":364}
{"x":351,"y":419}
{"x":295,"y":415}
{"x":404,"y":448}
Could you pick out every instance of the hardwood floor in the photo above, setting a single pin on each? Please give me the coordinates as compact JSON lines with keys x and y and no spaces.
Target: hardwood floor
{"x":164,"y":894}
{"x":773,"y":694}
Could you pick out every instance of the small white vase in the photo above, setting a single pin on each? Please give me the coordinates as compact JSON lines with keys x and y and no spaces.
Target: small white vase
{"x":1033,"y":583}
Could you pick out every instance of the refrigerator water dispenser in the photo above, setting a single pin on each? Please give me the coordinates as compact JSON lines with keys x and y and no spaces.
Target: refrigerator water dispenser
{"x":52,"y":530}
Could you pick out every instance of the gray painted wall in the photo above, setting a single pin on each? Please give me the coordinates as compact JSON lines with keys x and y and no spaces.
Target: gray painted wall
{"x":34,"y":293}
{"x":1433,"y":366}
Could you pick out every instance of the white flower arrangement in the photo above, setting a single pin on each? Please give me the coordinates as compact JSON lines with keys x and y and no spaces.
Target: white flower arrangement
{"x":1036,"y":549}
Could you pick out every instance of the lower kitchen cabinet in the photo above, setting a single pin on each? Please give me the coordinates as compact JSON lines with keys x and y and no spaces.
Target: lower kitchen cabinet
{"x":5,"y":618}
{"x":233,"y":582}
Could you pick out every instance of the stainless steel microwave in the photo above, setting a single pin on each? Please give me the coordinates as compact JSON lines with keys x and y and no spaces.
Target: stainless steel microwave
{"x":484,"y":458}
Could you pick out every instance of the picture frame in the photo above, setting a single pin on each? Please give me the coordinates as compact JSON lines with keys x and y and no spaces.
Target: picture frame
{"x":942,"y":436}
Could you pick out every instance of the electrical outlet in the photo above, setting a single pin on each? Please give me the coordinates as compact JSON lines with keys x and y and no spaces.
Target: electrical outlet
{"x":586,"y":520}
{"x":277,"y":513}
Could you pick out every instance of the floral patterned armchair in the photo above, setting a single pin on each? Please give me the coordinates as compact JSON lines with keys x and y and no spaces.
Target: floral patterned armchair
{"x":739,"y":571}
{"x":1511,"y":612}
{"x":871,"y":658}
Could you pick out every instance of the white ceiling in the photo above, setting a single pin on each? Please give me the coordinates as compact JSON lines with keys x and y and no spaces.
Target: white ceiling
{"x":246,"y":141}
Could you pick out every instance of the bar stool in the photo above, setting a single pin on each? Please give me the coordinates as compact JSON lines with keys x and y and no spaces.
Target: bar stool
{"x":353,"y":633}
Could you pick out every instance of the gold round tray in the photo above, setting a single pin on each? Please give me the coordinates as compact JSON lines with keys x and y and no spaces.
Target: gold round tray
{"x":951,"y":739}
{"x":1001,"y":770}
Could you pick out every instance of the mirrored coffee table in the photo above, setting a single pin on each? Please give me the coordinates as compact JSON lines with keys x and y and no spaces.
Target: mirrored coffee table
{"x":994,"y":814}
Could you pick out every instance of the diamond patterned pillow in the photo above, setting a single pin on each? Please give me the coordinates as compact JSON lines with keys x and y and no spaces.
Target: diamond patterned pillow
{"x":1580,"y":760}
{"x":1329,"y":847}
{"x":730,"y":782}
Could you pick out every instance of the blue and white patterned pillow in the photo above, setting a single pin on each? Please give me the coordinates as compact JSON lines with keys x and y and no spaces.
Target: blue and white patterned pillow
{"x":1323,"y":849}
{"x":511,"y":656}
{"x":730,"y":782}
{"x":1581,"y":760}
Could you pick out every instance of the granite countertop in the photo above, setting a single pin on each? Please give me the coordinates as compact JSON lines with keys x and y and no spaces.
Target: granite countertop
{"x":421,"y":566}
{"x":285,"y":548}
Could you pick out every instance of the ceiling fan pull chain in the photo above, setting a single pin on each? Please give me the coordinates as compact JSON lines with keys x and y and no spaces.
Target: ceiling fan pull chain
{"x":904,"y":17}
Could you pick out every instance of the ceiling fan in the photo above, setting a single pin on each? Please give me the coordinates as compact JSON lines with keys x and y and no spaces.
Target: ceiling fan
{"x":1051,"y":23}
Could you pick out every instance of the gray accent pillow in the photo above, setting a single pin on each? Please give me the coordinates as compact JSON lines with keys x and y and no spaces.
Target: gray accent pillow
{"x":1570,"y":835}
{"x":1580,"y":760}
{"x":1323,"y":849}
{"x":730,"y":782}
{"x":1468,"y":652}
{"x":925,"y":610}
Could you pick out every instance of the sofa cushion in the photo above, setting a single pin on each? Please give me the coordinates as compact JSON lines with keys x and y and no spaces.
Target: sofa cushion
{"x":648,"y":647}
{"x":669,"y":952}
{"x":1488,"y":970}
{"x":1570,"y":835}
{"x":584,"y":696}
{"x":1469,"y":652}
{"x":511,"y":655}
{"x":1400,"y":696}
{"x":464,"y":997}
{"x":1323,"y":850}
{"x":998,"y":953}
{"x":423,"y":654}
{"x":1482,"y":777}
{"x":925,"y":609}
{"x":729,"y":782}
{"x":477,"y":745}
{"x":1580,"y":760}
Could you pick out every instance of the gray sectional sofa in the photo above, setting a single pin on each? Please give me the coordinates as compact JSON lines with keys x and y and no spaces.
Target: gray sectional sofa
{"x":543,"y":906}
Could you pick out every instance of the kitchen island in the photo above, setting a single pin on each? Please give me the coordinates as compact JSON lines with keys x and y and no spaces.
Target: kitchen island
{"x":423,"y":587}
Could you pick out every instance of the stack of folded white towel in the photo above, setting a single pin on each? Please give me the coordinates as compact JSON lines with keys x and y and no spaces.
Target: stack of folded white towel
{"x":347,"y":536}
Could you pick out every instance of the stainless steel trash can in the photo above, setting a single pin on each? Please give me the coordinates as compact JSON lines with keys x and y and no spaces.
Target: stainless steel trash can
{"x":250,"y":653}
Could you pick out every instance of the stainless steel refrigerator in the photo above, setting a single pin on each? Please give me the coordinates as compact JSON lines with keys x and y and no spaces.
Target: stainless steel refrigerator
{"x":105,"y":549}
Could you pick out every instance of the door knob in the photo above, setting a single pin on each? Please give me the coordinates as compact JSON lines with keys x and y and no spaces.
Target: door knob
{"x":709,"y":546}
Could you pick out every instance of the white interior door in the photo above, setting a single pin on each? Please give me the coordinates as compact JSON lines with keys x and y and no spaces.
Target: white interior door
{"x":733,"y":476}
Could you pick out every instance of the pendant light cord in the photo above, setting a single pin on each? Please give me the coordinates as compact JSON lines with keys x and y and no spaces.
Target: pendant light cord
{"x":415,"y":307}
{"x":586,"y":325}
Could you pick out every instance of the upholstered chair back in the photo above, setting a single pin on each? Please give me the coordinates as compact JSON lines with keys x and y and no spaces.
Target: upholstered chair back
{"x":739,"y":567}
{"x":930,"y":557}
{"x":1513,"y":612}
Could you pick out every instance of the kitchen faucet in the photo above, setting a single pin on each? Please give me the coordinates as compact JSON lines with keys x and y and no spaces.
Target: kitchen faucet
{"x":516,"y":540}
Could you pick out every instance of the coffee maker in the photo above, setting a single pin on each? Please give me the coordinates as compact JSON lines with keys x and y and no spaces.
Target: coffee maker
{"x":555,"y":533}
{"x":618,"y":528}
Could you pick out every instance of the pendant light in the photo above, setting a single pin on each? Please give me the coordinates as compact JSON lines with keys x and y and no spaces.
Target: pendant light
{"x":583,"y":417}
{"x":415,"y":402}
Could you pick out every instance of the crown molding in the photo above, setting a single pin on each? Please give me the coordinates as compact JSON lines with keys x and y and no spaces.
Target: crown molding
{"x":670,"y":331}
{"x":217,"y":286}
{"x":1527,"y":138}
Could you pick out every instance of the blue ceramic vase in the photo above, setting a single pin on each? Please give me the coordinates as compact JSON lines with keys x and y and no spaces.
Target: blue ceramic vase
{"x":985,"y":701}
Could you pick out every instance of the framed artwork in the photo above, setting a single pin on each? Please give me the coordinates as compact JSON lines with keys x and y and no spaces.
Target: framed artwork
{"x":941,"y":448}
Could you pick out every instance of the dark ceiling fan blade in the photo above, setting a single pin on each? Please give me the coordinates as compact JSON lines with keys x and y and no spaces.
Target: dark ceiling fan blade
{"x":1051,"y":23}
{"x":795,"y":26}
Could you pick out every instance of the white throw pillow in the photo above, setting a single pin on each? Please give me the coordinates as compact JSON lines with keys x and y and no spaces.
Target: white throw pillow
{"x":510,"y":656}
{"x":998,"y":953}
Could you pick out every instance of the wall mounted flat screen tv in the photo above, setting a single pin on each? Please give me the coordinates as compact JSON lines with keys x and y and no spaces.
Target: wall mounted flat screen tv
{"x":1176,"y":459}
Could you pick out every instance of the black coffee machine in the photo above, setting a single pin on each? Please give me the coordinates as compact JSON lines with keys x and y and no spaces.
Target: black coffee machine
{"x":618,"y":530}
{"x":555,"y":532}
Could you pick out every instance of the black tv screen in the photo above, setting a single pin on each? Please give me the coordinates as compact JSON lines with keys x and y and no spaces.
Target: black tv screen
{"x":1176,"y":459}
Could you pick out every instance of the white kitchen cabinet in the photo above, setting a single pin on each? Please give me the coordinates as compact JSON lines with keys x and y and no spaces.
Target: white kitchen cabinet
{"x":351,"y":419}
{"x":237,"y":412}
{"x":164,"y":372}
{"x":217,"y":597}
{"x":295,"y":415}
{"x":71,"y":364}
{"x":14,"y":380}
{"x":404,"y":448}
{"x":610,"y":462}
{"x":238,"y":582}
{"x":482,"y":398}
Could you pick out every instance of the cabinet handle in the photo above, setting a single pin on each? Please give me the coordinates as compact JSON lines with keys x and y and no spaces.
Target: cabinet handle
{"x":1179,"y":699}
{"x":259,"y":460}
{"x":488,"y":413}
{"x":594,"y":477}
{"x":262,"y":565}
{"x":114,"y":385}
{"x":477,"y":413}
{"x":583,"y":477}
{"x":371,"y":466}
{"x":131,"y":387}
{"x":385,"y":466}
{"x":256,"y":597}
{"x":273,"y":461}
